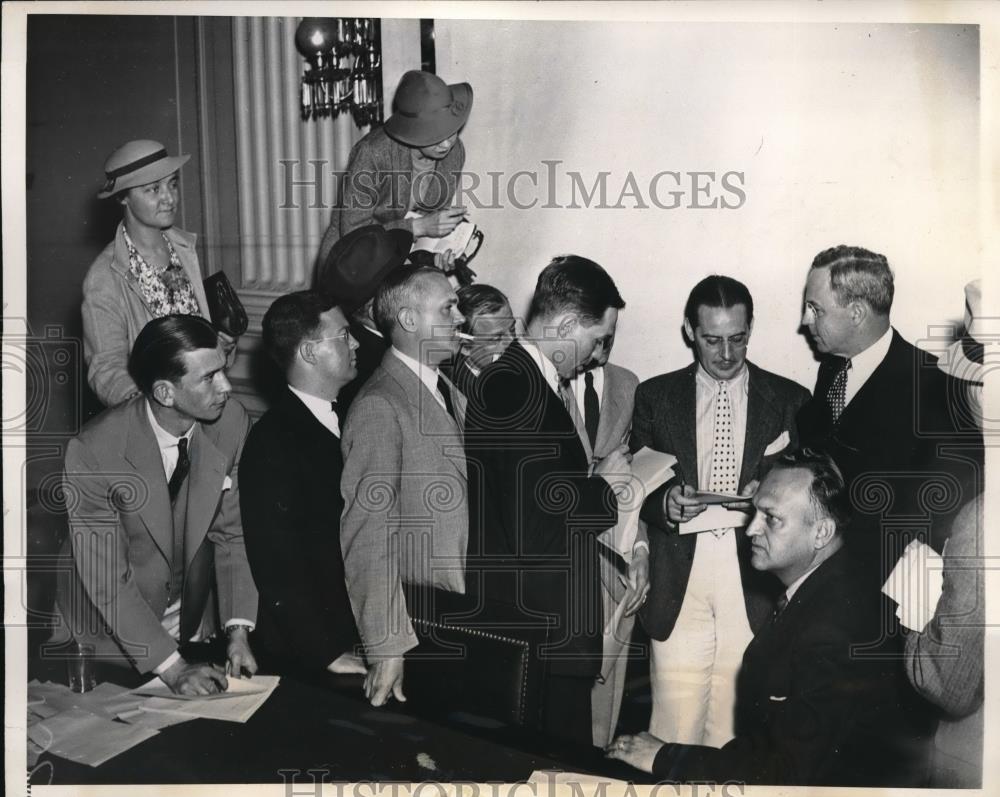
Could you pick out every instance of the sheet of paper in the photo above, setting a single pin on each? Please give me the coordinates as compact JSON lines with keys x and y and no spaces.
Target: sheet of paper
{"x":715,"y":517}
{"x":105,"y":700}
{"x":236,"y":687}
{"x":86,"y":738}
{"x":915,"y":584}
{"x":238,"y":709}
{"x":650,"y":469}
{"x":707,"y":497}
{"x":457,"y":240}
{"x":547,"y":777}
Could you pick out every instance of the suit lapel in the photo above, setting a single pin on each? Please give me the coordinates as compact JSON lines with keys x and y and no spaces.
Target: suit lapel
{"x":573,"y":409}
{"x":760,"y":402}
{"x":611,"y":412}
{"x":433,"y":420}
{"x":143,"y":453}
{"x":681,"y":410}
{"x":206,"y":479}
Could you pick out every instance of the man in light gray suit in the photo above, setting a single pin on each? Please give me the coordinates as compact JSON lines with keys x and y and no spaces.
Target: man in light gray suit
{"x":600,"y":401}
{"x":405,"y":515}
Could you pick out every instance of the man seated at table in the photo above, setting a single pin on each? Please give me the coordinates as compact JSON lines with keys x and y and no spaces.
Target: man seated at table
{"x":809,"y":710}
{"x":291,"y":502}
{"x":154,"y":515}
{"x":404,"y":485}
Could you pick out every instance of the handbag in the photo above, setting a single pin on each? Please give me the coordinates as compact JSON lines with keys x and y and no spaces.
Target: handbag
{"x":224,"y":306}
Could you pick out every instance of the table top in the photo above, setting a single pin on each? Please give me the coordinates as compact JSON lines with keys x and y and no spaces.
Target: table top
{"x":304,"y":726}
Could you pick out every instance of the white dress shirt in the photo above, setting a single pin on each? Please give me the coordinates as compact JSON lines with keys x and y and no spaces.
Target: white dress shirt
{"x":792,"y":588}
{"x":863,"y":365}
{"x":544,"y":364}
{"x":321,"y":409}
{"x":706,"y":395}
{"x":426,"y":374}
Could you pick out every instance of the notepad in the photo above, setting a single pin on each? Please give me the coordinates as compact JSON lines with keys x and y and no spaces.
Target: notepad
{"x":650,"y":469}
{"x":715,"y":517}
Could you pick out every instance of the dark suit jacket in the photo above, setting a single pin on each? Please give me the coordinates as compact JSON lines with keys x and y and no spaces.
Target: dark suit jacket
{"x":536,"y":511}
{"x":458,"y":371}
{"x":291,"y":506}
{"x":665,"y":420}
{"x":368,"y":357}
{"x":898,"y":448}
{"x":121,"y":533}
{"x":808,"y":711}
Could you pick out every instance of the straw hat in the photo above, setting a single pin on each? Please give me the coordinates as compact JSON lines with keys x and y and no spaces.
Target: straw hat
{"x":138,"y":163}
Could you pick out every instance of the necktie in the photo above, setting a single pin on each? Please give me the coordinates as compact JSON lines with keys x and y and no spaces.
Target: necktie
{"x":836,"y":397}
{"x":180,"y":471}
{"x":723,"y":478}
{"x":591,"y":409}
{"x":779,"y":606}
{"x":446,"y":395}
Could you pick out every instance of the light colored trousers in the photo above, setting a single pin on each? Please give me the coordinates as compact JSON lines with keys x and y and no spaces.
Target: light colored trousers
{"x":693,"y":671}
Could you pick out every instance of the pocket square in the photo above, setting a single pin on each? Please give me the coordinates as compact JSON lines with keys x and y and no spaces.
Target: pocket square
{"x":778,"y":698}
{"x":780,"y":443}
{"x":227,"y":484}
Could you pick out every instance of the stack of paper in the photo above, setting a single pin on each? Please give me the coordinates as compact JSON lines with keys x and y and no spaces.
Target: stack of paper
{"x":237,"y":704}
{"x":457,"y":240}
{"x":83,"y":737}
{"x":650,"y":469}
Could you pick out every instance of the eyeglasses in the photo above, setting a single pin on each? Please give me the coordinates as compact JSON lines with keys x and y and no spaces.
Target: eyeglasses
{"x":331,"y":337}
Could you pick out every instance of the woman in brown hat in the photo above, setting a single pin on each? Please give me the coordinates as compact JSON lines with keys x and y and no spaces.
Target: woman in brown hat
{"x":410,"y":163}
{"x":149,"y":270}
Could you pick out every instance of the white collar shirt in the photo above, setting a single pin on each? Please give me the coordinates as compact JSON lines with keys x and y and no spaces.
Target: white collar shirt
{"x":321,"y":409}
{"x":426,"y":374}
{"x":167,"y":443}
{"x":863,"y":365}
{"x":544,"y":364}
{"x":578,"y":384}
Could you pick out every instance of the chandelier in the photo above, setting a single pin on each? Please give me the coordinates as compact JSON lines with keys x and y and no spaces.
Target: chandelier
{"x":344,"y":69}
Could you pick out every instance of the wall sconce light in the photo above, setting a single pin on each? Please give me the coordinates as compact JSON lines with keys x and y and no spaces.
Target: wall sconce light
{"x":344,"y":71}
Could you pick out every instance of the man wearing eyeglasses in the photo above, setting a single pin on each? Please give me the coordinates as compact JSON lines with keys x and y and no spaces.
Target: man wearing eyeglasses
{"x":291,"y":501}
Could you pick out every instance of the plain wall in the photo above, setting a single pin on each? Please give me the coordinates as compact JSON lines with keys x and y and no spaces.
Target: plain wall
{"x":858,"y":134}
{"x":93,"y":83}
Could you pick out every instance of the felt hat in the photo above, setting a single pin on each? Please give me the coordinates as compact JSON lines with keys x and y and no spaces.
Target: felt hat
{"x":963,"y":359}
{"x":428,"y":110}
{"x":138,"y":163}
{"x":358,"y":262}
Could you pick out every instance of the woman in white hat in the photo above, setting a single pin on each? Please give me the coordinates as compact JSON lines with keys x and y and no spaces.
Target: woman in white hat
{"x":410,"y":163}
{"x":149,"y":270}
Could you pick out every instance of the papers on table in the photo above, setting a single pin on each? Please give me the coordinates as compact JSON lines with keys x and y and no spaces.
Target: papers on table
{"x":915,"y":583}
{"x":235,"y":687}
{"x":83,"y":737}
{"x":650,"y":469}
{"x":239,"y":707}
{"x":715,"y":517}
{"x":82,"y":727}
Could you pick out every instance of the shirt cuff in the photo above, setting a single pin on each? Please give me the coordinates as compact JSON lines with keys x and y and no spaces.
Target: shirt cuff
{"x":167,"y":663}
{"x":640,"y":545}
{"x":239,"y":621}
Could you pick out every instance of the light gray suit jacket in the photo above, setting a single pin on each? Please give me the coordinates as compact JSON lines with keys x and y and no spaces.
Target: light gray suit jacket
{"x":617,"y":402}
{"x":405,"y":506}
{"x":121,"y":534}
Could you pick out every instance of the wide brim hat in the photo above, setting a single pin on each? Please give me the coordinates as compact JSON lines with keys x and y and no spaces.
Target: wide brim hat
{"x":138,"y":163}
{"x":963,"y":359}
{"x":427,"y":110}
{"x":358,"y":262}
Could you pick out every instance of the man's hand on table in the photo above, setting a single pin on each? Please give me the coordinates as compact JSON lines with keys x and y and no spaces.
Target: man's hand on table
{"x":185,"y":678}
{"x":239,"y":659}
{"x":385,"y":676}
{"x":638,"y":751}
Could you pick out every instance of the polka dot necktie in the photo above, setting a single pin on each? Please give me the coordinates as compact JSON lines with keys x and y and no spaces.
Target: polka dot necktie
{"x":837,"y":395}
{"x":724,"y":476}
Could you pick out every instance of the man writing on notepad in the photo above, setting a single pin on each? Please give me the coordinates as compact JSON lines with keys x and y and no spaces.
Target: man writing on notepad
{"x":722,"y":417}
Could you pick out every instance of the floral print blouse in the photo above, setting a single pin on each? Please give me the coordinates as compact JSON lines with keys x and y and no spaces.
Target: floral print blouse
{"x":165,"y":292}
